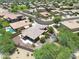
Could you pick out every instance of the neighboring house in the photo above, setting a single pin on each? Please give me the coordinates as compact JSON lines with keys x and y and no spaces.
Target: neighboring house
{"x":71,"y":24}
{"x":66,"y":7}
{"x":31,"y":11}
{"x":20,"y":24}
{"x":55,"y":11}
{"x":32,"y":6}
{"x":50,"y":7}
{"x":45,"y":14}
{"x":11,"y":17}
{"x":75,"y":11}
{"x":41,"y":9}
{"x":68,"y":17}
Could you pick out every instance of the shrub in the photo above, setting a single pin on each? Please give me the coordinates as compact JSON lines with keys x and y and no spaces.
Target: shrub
{"x":57,"y":19}
{"x":46,"y":35}
{"x":5,"y":24}
{"x":42,"y":40}
{"x":50,"y":29}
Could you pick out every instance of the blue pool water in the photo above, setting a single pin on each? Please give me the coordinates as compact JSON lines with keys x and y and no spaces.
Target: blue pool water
{"x":9,"y":29}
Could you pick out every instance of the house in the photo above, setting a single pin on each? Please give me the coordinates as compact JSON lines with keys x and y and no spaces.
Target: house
{"x":30,"y":11}
{"x":66,"y":7}
{"x":11,"y":17}
{"x":20,"y":24}
{"x":44,"y":14}
{"x":68,"y":17}
{"x":32,"y":6}
{"x":41,"y":9}
{"x":28,"y":36}
{"x":38,"y":4}
{"x":73,"y":25}
{"x":75,"y":11}
{"x":34,"y":32}
{"x":50,"y":7}
{"x":55,"y":11}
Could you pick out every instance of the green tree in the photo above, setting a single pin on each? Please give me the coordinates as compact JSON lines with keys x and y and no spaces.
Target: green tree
{"x":52,"y":51}
{"x":70,"y":4}
{"x":48,"y":51}
{"x":57,"y":19}
{"x":56,"y":4}
{"x":1,"y":26}
{"x":15,"y":7}
{"x":42,"y":40}
{"x":6,"y":43}
{"x":68,"y":39}
{"x":22,"y":7}
{"x":50,"y":29}
{"x":5,"y":24}
{"x":46,"y":35}
{"x":65,"y":53}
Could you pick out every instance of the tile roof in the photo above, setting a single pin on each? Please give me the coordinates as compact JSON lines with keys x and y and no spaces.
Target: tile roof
{"x":34,"y":31}
{"x":20,"y":24}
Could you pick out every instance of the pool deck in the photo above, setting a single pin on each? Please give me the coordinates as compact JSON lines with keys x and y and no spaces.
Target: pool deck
{"x":9,"y":29}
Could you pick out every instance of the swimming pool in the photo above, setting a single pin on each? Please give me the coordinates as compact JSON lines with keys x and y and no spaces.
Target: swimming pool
{"x":9,"y":29}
